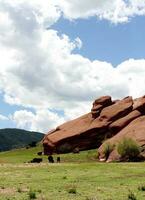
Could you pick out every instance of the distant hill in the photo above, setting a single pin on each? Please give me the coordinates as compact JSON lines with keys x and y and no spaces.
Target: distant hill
{"x":16,"y":138}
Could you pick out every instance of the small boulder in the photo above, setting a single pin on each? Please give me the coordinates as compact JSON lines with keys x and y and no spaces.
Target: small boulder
{"x":99,"y":104}
{"x":117,"y":110}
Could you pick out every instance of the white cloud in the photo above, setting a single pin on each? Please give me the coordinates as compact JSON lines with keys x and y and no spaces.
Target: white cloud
{"x":44,"y":12}
{"x":133,"y":73}
{"x":40,"y":70}
{"x":116,"y":11}
{"x":42,"y":120}
{"x":3,"y":118}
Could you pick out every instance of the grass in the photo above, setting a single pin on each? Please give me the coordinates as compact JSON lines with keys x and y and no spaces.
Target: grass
{"x":141,"y":188}
{"x":128,"y":149}
{"x":77,"y":177}
{"x":108,"y":148}
{"x":32,"y":194}
{"x":72,"y":189}
{"x":19,"y":155}
{"x":131,"y":196}
{"x":25,"y":155}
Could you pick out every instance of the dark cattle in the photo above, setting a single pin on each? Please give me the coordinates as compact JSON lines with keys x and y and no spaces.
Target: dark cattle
{"x":36,"y":160}
{"x":58,"y":159}
{"x":39,"y":153}
{"x":50,"y":159}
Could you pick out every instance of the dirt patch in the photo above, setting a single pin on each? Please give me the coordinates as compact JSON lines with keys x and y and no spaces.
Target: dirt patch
{"x":7,"y":191}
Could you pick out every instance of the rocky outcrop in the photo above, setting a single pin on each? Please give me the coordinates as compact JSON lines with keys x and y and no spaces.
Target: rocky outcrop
{"x":119,"y":124}
{"x":135,"y":130}
{"x":108,"y":120}
{"x":139,"y":104}
{"x":99,"y":104}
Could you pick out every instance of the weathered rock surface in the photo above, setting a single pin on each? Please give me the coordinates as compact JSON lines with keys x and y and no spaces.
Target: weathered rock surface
{"x":107,"y":119}
{"x":139,"y":104}
{"x":135,"y":130}
{"x":117,"y":125}
{"x":99,"y":104}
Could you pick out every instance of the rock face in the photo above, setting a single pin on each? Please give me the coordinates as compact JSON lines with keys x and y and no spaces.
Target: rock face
{"x":99,"y":104}
{"x":108,"y":120}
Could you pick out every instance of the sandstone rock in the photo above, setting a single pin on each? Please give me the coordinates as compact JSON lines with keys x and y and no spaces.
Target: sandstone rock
{"x":71,"y":128}
{"x":107,"y":119}
{"x":113,"y":113}
{"x":135,"y":130}
{"x":139,"y":104}
{"x":117,"y":125}
{"x":99,"y":104}
{"x":75,"y":134}
{"x":117,"y":110}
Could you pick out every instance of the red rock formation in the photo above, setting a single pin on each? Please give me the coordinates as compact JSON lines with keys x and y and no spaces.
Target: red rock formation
{"x":139,"y":104}
{"x":107,"y":119}
{"x":135,"y":130}
{"x":99,"y":104}
{"x":119,"y":124}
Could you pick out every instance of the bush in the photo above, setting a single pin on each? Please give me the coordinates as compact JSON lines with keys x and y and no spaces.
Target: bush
{"x":92,"y":155}
{"x":107,"y":149}
{"x":32,"y":194}
{"x":128,"y":149}
{"x":131,"y":196}
{"x":141,"y":188}
{"x":33,"y":144}
{"x":71,"y":189}
{"x":19,"y":190}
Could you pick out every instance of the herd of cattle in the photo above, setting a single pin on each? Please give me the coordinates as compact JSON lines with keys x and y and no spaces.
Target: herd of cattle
{"x":39,"y":160}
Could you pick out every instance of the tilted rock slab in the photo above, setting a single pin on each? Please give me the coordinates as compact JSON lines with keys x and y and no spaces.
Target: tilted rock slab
{"x":135,"y":130}
{"x":107,"y":119}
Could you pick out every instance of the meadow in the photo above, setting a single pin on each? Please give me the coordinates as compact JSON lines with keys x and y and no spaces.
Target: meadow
{"x":77,"y":177}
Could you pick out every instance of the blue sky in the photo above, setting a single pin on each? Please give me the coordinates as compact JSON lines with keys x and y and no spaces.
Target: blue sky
{"x":105,"y":41}
{"x":58,"y":56}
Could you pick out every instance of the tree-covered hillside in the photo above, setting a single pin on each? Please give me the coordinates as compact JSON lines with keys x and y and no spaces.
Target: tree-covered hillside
{"x":17,"y":138}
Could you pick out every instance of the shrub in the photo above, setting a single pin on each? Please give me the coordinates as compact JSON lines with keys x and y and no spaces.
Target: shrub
{"x":39,"y":191}
{"x":141,"y":188}
{"x":107,"y":149}
{"x":92,"y":155}
{"x":32,"y":194}
{"x":72,"y":189}
{"x":131,"y":196}
{"x":33,"y":144}
{"x":128,"y":149}
{"x":19,"y":190}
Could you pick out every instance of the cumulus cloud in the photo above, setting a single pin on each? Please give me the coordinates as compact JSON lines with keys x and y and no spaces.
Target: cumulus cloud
{"x":42,"y":120}
{"x":133,"y":72}
{"x":39,"y":69}
{"x":3,"y":118}
{"x":116,"y":11}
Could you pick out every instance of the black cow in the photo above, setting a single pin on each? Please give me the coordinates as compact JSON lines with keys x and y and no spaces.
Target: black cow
{"x":50,"y":159}
{"x":58,"y":159}
{"x":39,"y":153}
{"x":36,"y":160}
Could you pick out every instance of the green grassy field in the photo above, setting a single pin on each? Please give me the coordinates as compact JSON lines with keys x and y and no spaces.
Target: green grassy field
{"x":77,"y":177}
